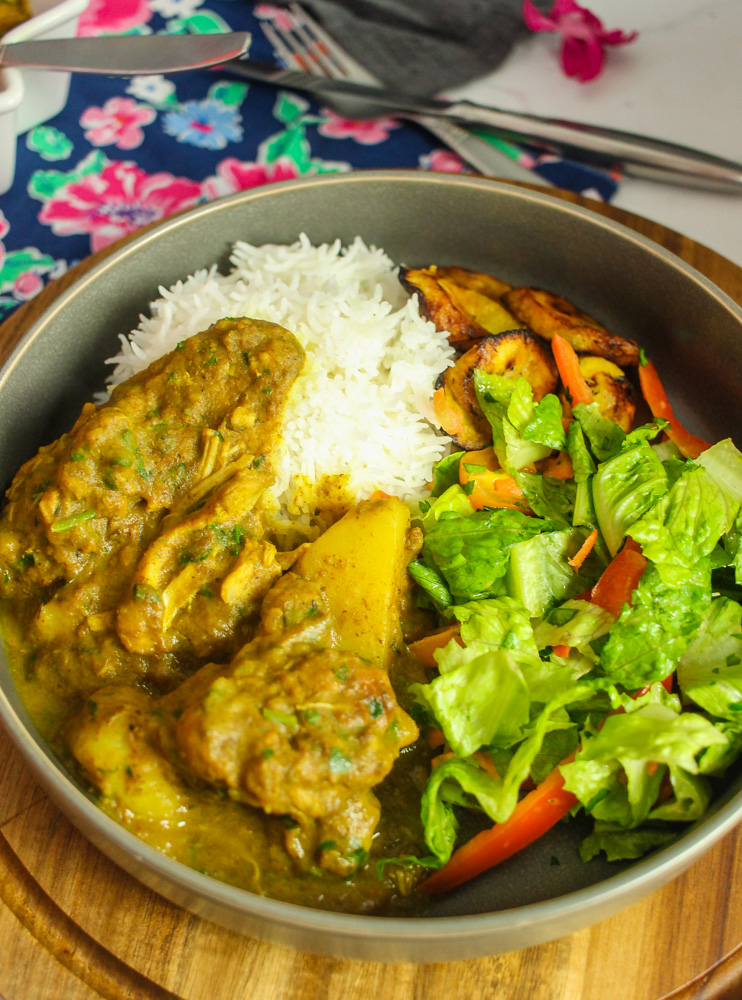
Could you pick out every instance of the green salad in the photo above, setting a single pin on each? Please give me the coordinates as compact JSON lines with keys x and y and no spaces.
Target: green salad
{"x":589,"y":658}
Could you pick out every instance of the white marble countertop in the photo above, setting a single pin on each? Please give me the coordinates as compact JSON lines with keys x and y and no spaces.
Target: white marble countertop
{"x":681,"y":81}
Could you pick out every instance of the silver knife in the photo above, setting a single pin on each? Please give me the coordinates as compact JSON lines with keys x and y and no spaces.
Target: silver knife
{"x":126,"y":55}
{"x":638,"y":155}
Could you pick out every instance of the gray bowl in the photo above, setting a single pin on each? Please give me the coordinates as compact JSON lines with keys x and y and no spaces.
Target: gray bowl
{"x":693,"y":332}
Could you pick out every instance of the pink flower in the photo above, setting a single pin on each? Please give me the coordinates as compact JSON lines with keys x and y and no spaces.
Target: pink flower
{"x":4,"y":230}
{"x":367,"y":131}
{"x":234,"y":175}
{"x":113,"y":17}
{"x":583,"y":36}
{"x":115,"y":202}
{"x":27,"y":285}
{"x":442,"y":161}
{"x":117,"y":123}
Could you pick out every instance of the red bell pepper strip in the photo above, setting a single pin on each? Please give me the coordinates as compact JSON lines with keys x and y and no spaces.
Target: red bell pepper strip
{"x":536,"y":813}
{"x":619,"y":579}
{"x":657,"y":401}
{"x":568,"y":365}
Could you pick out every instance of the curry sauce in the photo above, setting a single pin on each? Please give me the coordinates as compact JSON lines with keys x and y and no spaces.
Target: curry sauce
{"x":235,"y":706}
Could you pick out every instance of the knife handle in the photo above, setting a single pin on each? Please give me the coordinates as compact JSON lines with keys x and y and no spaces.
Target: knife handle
{"x":638,"y":155}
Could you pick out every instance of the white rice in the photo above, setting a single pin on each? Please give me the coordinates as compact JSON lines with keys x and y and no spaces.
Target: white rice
{"x":362,"y":407}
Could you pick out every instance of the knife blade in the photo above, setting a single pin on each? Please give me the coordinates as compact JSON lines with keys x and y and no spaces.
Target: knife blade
{"x":126,"y":55}
{"x":638,"y":155}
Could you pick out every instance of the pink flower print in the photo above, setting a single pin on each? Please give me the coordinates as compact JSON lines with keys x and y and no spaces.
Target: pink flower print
{"x":4,"y":230}
{"x":27,"y":285}
{"x":113,"y":17}
{"x":117,"y":123}
{"x":282,"y":19}
{"x":367,"y":131}
{"x":234,"y":175}
{"x":116,"y":202}
{"x":443,"y":161}
{"x":583,"y":36}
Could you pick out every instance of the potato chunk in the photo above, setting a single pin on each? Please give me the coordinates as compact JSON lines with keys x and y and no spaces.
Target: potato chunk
{"x":361,"y":563}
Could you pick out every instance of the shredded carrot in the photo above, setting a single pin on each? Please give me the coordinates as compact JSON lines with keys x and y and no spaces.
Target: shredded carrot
{"x":486,"y":763}
{"x":656,"y":397}
{"x":568,"y":365}
{"x":561,"y":650}
{"x":442,"y":758}
{"x":584,"y":551}
{"x":423,"y":649}
{"x":380,"y":495}
{"x":436,"y":738}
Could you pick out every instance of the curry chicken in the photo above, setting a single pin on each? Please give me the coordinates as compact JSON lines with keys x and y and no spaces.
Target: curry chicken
{"x":231,"y":703}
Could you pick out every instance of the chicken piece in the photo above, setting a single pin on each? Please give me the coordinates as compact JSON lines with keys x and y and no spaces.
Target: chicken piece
{"x":214,"y":549}
{"x":295,"y":726}
{"x":139,"y":535}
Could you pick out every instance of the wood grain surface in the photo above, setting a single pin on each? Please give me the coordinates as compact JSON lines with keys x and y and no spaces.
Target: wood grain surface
{"x":73,"y":926}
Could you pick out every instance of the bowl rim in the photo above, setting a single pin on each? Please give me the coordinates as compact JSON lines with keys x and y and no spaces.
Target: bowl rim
{"x":656,"y":869}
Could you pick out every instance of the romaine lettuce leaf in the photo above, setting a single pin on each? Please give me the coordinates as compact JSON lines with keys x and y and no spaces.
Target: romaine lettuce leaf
{"x":622,"y":845}
{"x":611,"y":775}
{"x":623,"y":489}
{"x":446,"y":473}
{"x":604,"y":436}
{"x":652,"y":634}
{"x":550,"y":498}
{"x":685,"y":525}
{"x":574,"y":623}
{"x":484,"y":700}
{"x":723,"y":462}
{"x":431,"y":582}
{"x":523,"y":432}
{"x":502,"y":621}
{"x":710,"y":670}
{"x":539,"y":574}
{"x":690,"y":800}
{"x":496,"y":796}
{"x":452,"y":501}
{"x":472,"y":553}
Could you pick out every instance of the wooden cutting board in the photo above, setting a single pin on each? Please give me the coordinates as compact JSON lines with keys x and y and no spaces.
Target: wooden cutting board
{"x":73,"y":926}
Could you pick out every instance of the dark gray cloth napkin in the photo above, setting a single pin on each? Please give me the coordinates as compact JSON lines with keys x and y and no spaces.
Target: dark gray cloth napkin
{"x":424,"y":46}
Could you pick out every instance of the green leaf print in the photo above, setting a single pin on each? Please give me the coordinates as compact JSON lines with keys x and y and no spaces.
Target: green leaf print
{"x":289,"y":108}
{"x":44,"y":184}
{"x":49,"y":143}
{"x":202,"y":22}
{"x":229,"y":93}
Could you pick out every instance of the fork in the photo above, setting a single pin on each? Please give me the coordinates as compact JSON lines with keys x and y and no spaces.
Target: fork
{"x":308,"y":47}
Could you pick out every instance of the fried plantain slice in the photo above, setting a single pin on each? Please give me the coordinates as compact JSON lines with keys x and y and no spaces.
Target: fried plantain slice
{"x":463,"y":303}
{"x":514,"y":354}
{"x":611,"y":390}
{"x":477,"y":281}
{"x":547,"y":314}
